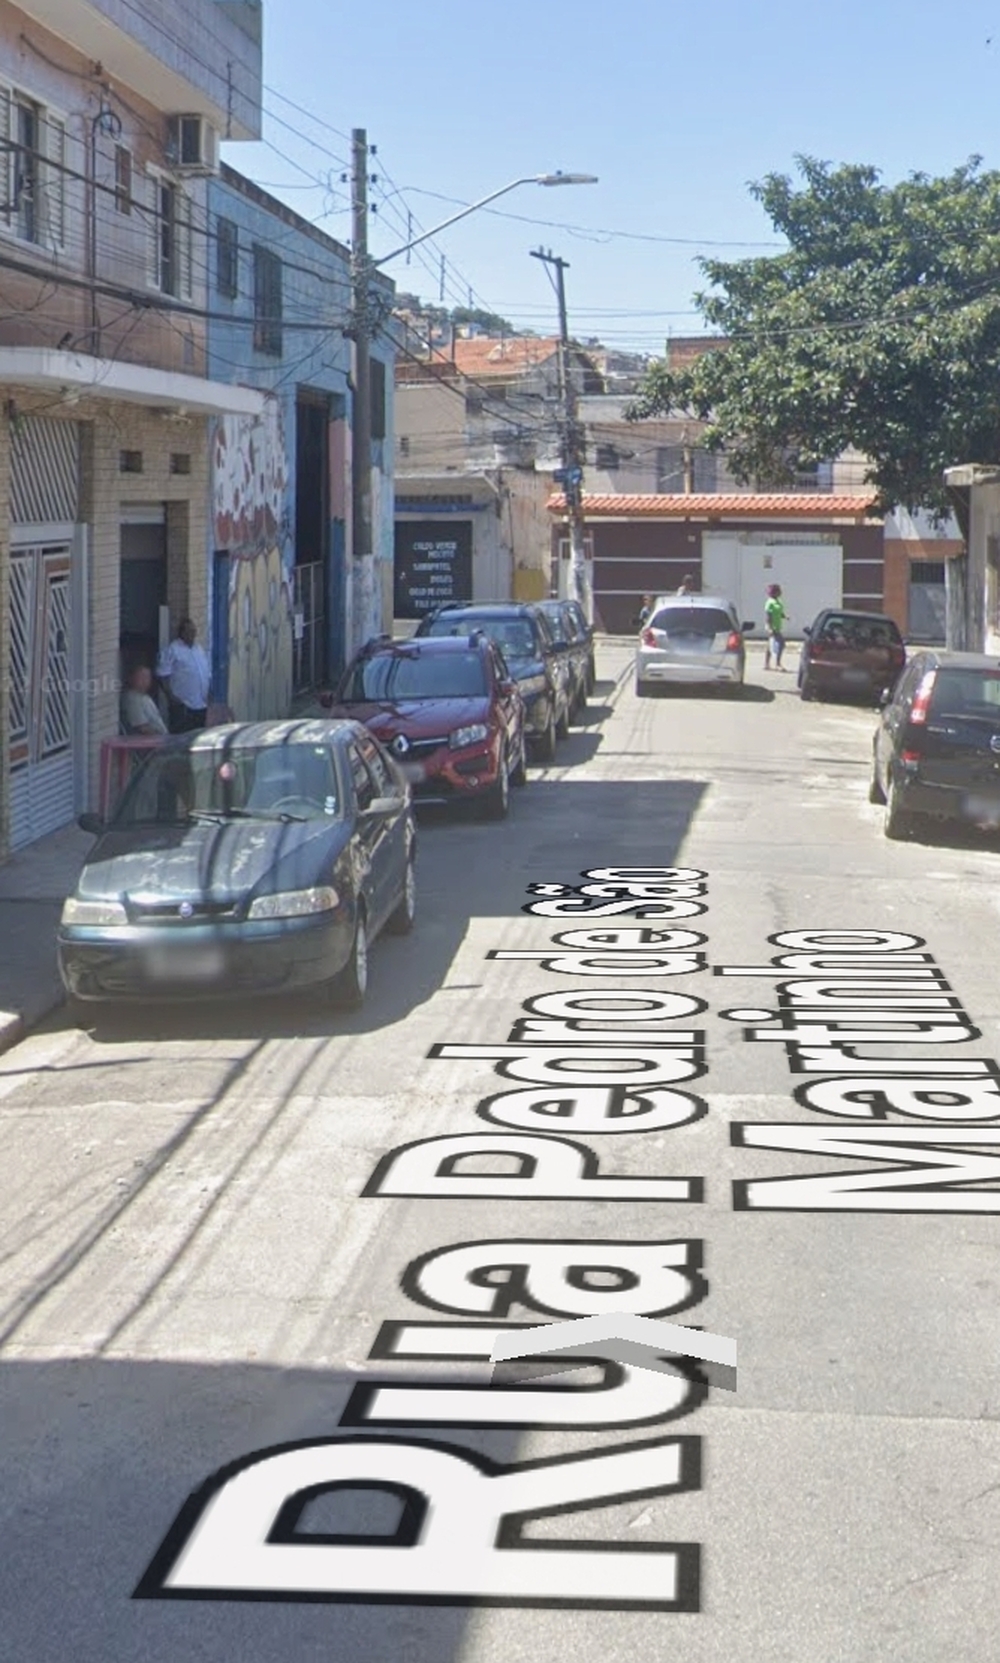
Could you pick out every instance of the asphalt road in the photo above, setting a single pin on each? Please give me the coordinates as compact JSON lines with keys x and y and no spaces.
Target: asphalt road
{"x":190,"y":1272}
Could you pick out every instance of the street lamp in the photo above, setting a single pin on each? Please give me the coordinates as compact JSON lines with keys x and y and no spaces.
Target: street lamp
{"x":530,"y":179}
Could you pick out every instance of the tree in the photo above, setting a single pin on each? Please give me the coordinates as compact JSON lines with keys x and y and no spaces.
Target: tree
{"x":877,"y":328}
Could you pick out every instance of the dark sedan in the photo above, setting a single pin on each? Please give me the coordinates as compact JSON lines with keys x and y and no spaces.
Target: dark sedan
{"x":850,"y":655}
{"x":523,"y":635}
{"x":253,"y":858}
{"x":936,"y":751}
{"x":573,"y":644}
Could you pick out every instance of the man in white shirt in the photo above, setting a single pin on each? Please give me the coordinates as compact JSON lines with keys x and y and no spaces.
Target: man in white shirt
{"x":140,"y":712}
{"x":186,"y":678}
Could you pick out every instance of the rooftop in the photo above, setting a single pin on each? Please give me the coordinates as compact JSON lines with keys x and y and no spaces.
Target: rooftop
{"x":703,"y":504}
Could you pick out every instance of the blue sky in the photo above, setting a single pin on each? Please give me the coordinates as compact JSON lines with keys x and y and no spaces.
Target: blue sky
{"x":675,"y":108}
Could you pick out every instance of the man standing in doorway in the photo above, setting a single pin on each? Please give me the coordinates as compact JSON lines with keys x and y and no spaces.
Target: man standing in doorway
{"x":186,"y":678}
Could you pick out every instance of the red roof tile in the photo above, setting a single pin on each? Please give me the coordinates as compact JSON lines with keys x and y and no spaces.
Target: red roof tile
{"x":702,"y":504}
{"x":484,"y":355}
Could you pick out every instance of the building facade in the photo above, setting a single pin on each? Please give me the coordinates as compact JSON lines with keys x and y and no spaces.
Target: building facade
{"x":284,"y":609}
{"x":824,"y":550}
{"x":111,"y":114}
{"x":479,"y":438}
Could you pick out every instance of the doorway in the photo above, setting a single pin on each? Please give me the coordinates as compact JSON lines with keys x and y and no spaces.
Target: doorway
{"x":143,"y":584}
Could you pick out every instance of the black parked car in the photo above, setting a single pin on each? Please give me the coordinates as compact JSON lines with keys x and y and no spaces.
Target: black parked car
{"x":850,"y":655}
{"x":936,"y":750}
{"x":575,"y":648}
{"x":586,"y":633}
{"x":523,"y":635}
{"x":250,"y":858}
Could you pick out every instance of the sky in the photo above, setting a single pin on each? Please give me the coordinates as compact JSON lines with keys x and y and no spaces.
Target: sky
{"x":676,"y":109}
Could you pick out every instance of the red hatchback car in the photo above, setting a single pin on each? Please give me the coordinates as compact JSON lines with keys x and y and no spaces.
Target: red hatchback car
{"x":850,"y":655}
{"x":448,"y":710}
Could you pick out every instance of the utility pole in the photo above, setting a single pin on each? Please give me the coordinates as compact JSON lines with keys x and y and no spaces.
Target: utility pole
{"x":571,"y":472}
{"x":362,"y":597}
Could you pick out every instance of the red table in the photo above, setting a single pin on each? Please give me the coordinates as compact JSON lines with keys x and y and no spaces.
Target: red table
{"x":117,"y":756}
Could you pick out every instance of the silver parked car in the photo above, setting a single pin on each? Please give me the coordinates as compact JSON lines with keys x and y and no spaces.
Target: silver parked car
{"x":693,"y":640}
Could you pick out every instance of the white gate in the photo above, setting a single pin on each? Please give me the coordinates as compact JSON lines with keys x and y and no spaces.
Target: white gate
{"x":42,"y":783}
{"x":742,"y":568}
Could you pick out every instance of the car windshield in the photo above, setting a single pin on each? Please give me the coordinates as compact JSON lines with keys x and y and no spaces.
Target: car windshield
{"x":972,"y":693}
{"x":418,"y":675}
{"x":515,"y":635}
{"x":292,"y":781}
{"x":692,"y":620}
{"x":858,"y":633}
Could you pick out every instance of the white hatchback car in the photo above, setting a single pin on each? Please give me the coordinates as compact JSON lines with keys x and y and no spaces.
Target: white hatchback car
{"x":691,"y":640}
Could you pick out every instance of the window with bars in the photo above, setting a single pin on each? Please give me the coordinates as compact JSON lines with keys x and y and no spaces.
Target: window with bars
{"x":227,"y":254}
{"x":32,"y":170}
{"x":267,"y":301}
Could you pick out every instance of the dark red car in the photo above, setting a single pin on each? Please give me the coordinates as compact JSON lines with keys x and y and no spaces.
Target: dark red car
{"x":449,"y":712}
{"x":850,"y":655}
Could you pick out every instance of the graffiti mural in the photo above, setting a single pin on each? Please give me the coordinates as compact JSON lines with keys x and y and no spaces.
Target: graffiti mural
{"x":252,"y":520}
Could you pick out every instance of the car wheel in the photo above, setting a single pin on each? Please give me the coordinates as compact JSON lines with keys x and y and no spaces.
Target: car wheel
{"x":591,"y":679}
{"x":562,"y":726}
{"x":875,"y":792}
{"x":496,"y":801}
{"x":351,"y":985}
{"x":402,"y":920}
{"x":519,"y":772}
{"x":806,"y":690}
{"x":897,"y":823}
{"x":547,"y":742}
{"x":643,"y":690}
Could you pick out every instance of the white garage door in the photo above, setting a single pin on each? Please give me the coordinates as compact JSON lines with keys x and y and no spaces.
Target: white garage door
{"x":810,"y":574}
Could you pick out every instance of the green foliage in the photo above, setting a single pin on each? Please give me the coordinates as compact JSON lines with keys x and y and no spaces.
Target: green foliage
{"x":878,"y":328}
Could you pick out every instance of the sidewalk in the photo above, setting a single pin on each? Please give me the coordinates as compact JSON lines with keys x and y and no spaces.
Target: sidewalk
{"x":33,"y":885}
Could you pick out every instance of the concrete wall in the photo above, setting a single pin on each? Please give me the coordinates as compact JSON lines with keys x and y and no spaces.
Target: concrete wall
{"x":195,"y":55}
{"x":115,"y":243}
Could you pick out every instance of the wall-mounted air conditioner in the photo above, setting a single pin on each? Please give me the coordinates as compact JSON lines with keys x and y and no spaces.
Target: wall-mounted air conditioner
{"x":192,"y":144}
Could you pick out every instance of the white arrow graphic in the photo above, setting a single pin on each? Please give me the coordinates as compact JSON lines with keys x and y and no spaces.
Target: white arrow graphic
{"x":556,"y":1347}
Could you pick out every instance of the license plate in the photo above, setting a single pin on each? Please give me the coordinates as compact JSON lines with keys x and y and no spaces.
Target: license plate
{"x":855,"y":678}
{"x":983,"y":809}
{"x":184,"y":963}
{"x":415,"y":772}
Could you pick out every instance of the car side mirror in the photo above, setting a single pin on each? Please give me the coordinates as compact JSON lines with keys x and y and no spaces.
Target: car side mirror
{"x":806,"y":629}
{"x":381,"y":805}
{"x":885,"y":698}
{"x":506,"y":687}
{"x":747,"y":625}
{"x":91,"y":823}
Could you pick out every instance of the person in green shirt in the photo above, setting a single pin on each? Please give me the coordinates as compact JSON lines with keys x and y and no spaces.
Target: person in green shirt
{"x":775,"y":617}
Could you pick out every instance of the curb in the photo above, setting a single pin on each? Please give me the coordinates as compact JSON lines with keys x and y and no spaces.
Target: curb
{"x":12,"y":1030}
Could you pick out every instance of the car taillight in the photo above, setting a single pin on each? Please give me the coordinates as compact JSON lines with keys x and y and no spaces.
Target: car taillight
{"x":735,"y":641}
{"x":909,"y":756}
{"x":648,"y":638}
{"x":922,"y":699}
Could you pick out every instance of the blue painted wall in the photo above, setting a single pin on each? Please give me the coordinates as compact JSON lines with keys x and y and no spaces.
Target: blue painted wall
{"x":254,"y":485}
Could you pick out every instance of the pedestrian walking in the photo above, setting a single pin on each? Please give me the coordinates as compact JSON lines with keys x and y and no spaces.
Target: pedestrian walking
{"x":186,"y":678}
{"x":775,"y":618}
{"x":645,"y":610}
{"x":687,"y":586}
{"x":140,"y":711}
